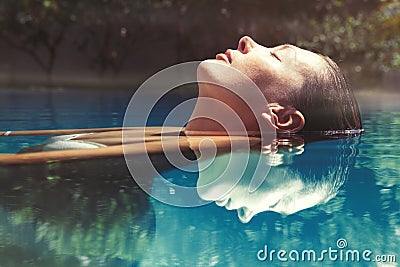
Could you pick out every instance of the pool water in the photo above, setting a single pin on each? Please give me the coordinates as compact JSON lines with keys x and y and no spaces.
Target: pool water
{"x":342,"y":196}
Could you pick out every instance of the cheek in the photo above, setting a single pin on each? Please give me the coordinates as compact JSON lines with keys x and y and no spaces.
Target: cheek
{"x":278,"y":81}
{"x":266,"y":78}
{"x":276,"y":86}
{"x":258,"y":70}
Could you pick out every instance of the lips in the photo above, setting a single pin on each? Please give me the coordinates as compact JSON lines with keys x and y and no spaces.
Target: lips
{"x":228,"y":55}
{"x":225,"y":56}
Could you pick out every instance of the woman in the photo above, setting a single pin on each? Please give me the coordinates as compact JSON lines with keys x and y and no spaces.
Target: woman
{"x":284,"y":89}
{"x":306,"y":91}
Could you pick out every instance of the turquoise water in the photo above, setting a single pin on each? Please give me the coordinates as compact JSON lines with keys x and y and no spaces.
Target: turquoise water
{"x":92,"y":213}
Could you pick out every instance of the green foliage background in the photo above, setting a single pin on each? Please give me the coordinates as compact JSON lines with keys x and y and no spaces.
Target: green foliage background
{"x":113,"y":35}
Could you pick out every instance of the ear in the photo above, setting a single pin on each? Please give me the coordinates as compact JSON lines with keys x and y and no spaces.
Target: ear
{"x":285,"y":119}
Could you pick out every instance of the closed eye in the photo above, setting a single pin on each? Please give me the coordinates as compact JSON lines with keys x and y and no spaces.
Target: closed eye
{"x":275,"y":56}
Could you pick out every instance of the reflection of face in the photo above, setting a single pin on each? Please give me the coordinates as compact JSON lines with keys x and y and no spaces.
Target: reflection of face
{"x":277,"y":71}
{"x":284,"y":190}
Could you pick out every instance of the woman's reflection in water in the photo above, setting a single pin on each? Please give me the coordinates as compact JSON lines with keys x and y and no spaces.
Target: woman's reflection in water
{"x":298,"y":176}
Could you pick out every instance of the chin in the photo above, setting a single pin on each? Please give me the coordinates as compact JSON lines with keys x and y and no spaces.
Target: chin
{"x":214,"y":61}
{"x":216,"y":72}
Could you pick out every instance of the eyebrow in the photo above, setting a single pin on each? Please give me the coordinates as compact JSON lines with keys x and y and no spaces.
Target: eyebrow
{"x":286,"y":46}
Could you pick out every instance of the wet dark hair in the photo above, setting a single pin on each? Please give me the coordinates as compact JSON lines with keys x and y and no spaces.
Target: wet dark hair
{"x":327,"y":102}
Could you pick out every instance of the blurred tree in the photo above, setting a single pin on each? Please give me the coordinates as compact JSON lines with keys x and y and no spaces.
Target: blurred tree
{"x":36,"y":28}
{"x":367,"y":35}
{"x":387,"y":34}
{"x":114,"y":34}
{"x":105,"y":33}
{"x":109,"y":30}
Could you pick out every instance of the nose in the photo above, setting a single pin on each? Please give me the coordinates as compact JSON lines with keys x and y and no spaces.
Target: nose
{"x":246,"y":44}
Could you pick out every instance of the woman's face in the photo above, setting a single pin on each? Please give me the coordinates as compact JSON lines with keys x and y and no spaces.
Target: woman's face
{"x":274,"y":73}
{"x":276,"y":70}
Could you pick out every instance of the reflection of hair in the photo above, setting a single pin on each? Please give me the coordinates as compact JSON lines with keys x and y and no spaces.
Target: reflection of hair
{"x":322,"y":168}
{"x":327,"y":162}
{"x":327,"y":101}
{"x":299,"y":178}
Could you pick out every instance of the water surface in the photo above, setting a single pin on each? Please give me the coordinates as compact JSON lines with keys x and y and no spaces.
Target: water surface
{"x":92,"y":213}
